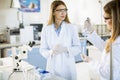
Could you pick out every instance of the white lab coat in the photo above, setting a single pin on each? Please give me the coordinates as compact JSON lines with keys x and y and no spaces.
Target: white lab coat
{"x":62,"y":64}
{"x":103,"y":67}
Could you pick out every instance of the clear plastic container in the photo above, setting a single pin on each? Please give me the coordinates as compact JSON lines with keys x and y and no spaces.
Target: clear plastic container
{"x":45,"y":75}
{"x":40,"y":72}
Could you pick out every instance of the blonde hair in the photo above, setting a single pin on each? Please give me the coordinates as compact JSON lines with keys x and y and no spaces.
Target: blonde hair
{"x":54,"y":5}
{"x":113,"y":9}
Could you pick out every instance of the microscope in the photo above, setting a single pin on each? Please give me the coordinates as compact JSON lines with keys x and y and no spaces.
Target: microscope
{"x":22,"y":54}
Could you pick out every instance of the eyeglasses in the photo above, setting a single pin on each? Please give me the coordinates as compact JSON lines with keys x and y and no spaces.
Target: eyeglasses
{"x":61,"y":10}
{"x":107,"y":18}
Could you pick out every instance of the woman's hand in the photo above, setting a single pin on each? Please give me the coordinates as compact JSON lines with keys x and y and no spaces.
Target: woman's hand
{"x":85,"y":58}
{"x":59,"y":49}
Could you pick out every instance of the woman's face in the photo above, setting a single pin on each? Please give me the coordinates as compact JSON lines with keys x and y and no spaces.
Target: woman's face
{"x":60,"y":13}
{"x":108,"y":20}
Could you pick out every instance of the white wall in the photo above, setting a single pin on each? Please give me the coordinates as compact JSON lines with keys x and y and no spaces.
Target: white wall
{"x":37,"y":17}
{"x":11,"y":18}
{"x":8,"y":17}
{"x":78,"y":11}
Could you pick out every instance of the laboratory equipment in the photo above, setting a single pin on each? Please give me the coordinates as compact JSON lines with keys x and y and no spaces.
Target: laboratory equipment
{"x":37,"y":28}
{"x":45,"y":75}
{"x":22,"y":54}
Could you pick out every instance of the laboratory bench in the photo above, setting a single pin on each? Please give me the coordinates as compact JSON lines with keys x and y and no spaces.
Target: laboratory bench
{"x":36,"y":59}
{"x":83,"y":70}
{"x":5,"y":46}
{"x":27,"y":72}
{"x":34,"y":56}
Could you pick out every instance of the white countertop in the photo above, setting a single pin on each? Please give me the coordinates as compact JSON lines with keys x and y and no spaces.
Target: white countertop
{"x":7,"y":45}
{"x":37,"y":43}
{"x":7,"y":68}
{"x":28,"y":72}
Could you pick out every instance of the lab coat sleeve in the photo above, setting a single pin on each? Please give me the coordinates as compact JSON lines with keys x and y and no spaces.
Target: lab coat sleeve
{"x":96,"y":41}
{"x":105,"y":69}
{"x":99,"y":70}
{"x":94,"y":70}
{"x":76,"y":46}
{"x":44,"y":49}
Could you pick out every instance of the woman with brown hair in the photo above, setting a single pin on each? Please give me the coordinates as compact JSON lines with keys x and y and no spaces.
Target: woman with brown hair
{"x":112,"y":45}
{"x":60,"y":42}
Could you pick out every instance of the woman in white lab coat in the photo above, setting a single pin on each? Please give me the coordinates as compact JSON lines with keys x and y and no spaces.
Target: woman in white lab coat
{"x":112,"y":19}
{"x":60,"y":42}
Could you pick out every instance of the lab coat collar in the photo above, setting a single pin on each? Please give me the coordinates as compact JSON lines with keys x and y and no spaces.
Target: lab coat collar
{"x":61,"y":32}
{"x":62,"y":24}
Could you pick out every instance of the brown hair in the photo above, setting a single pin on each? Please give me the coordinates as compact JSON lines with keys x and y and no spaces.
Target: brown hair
{"x":54,"y":5}
{"x":113,"y":9}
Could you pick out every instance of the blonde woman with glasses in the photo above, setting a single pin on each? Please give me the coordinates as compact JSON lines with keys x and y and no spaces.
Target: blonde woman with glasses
{"x":112,"y":19}
{"x":60,"y":42}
